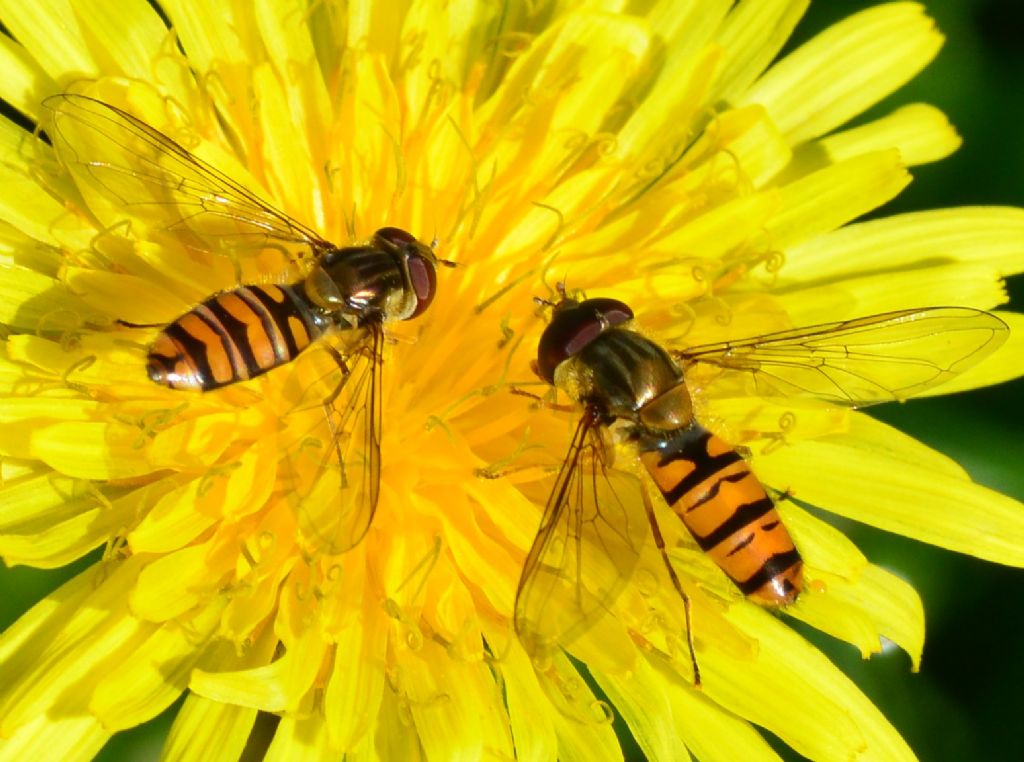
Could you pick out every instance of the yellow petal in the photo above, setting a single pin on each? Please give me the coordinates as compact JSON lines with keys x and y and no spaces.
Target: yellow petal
{"x":275,"y":687}
{"x":454,"y":705}
{"x":356,"y":686}
{"x":824,"y":547}
{"x":451,"y":610}
{"x":753,"y":34}
{"x":128,"y":34}
{"x":67,"y":738}
{"x":104,"y":292}
{"x":299,"y":738}
{"x":791,"y":689}
{"x":22,"y":78}
{"x":529,"y":713}
{"x":264,"y":560}
{"x":572,"y":88}
{"x":686,"y":29}
{"x":394,"y":741}
{"x":49,"y":521}
{"x":286,"y":31}
{"x":172,"y":522}
{"x":457,"y":38}
{"x":845,"y":69}
{"x":855,"y":477}
{"x":963,"y":284}
{"x":285,"y":150}
{"x":18,"y":250}
{"x":77,"y":647}
{"x":712,"y":734}
{"x":44,"y":497}
{"x":40,"y":623}
{"x":641,"y":698}
{"x":184,"y":512}
{"x":201,"y":441}
{"x":582,"y":723}
{"x":830,"y":197}
{"x":845,"y":596}
{"x":91,"y":450}
{"x":748,"y":137}
{"x":173,"y":583}
{"x":921,"y":132}
{"x":480,"y":556}
{"x":89,"y":359}
{"x":679,"y":261}
{"x":364,"y":160}
{"x":877,"y":604}
{"x":202,"y":724}
{"x":61,"y":48}
{"x":902,"y":448}
{"x":655,"y":133}
{"x":155,"y":674}
{"x":537,"y":226}
{"x":23,"y":203}
{"x":34,"y":410}
{"x":210,"y":33}
{"x":772,"y":422}
{"x":987,"y":235}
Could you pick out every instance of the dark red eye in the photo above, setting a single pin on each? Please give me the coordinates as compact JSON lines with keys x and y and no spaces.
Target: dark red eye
{"x":396,"y":237}
{"x":424,"y":282}
{"x":572,"y":328}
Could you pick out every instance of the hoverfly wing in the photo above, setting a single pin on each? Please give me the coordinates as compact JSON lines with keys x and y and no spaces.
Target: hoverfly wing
{"x":364,"y":428}
{"x":882,"y":358}
{"x":337,"y":466}
{"x":153,"y":176}
{"x":590,"y":538}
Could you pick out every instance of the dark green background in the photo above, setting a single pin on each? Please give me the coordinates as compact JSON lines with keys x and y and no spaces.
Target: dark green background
{"x":966,"y":702}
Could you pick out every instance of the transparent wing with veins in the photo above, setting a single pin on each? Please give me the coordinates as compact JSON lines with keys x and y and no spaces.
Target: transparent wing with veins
{"x":590,"y":538}
{"x":882,"y":358}
{"x":336,"y":466}
{"x":154,"y":177}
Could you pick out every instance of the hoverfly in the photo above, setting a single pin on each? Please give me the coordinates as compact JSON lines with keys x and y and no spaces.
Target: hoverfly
{"x":592,"y":529}
{"x":347,"y":293}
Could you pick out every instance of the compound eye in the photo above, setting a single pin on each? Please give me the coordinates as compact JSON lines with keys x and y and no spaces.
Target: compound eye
{"x":610,"y":311}
{"x":424,"y":283}
{"x":394,"y":237}
{"x":572,"y":329}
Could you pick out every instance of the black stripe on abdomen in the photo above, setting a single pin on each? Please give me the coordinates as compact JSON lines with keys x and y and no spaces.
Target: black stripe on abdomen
{"x":238,"y":334}
{"x":691,"y":443}
{"x":742,"y":517}
{"x":195,"y":349}
{"x":279,"y":339}
{"x":773,"y":567}
{"x":291,"y":306}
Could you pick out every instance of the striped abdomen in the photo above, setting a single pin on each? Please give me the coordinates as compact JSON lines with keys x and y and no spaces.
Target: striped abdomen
{"x":711,"y":488}
{"x":234,"y":336}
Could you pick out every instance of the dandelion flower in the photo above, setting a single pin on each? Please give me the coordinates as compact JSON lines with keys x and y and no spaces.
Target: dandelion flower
{"x":666,"y":158}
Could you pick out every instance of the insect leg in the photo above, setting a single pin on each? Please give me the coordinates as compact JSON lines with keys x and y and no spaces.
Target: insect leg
{"x":126,"y":324}
{"x":345,"y":373}
{"x":542,"y":402}
{"x":659,"y":541}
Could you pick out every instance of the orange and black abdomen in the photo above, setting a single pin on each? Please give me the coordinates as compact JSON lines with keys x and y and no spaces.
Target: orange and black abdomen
{"x":711,"y":488}
{"x":234,"y":336}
